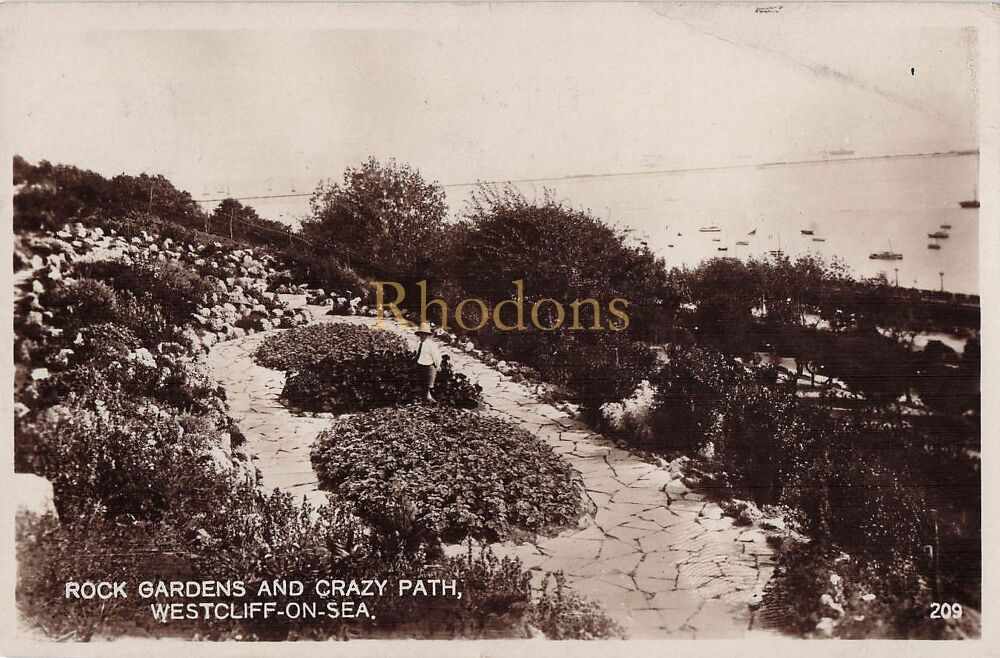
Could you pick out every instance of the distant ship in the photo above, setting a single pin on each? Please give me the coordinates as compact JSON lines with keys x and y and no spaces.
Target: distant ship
{"x":716,"y":240}
{"x":886,"y":255}
{"x":946,"y":226}
{"x":709,"y":229}
{"x":723,"y":248}
{"x":969,"y":204}
{"x":937,"y":234}
{"x":840,"y":152}
{"x":740,"y":243}
{"x":819,"y":239}
{"x":934,"y":246}
{"x":753,"y":232}
{"x":777,"y":253}
{"x":806,"y":231}
{"x":670,"y":246}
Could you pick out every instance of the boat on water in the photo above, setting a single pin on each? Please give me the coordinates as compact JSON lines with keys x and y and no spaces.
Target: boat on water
{"x":840,"y":152}
{"x":934,"y":245}
{"x":716,"y":240}
{"x":946,"y":226}
{"x":740,"y":243}
{"x":806,"y":231}
{"x":819,"y":239}
{"x":886,"y":255}
{"x":776,"y":252}
{"x":969,"y":204}
{"x":937,"y":234}
{"x":709,"y":229}
{"x":723,"y":248}
{"x":670,"y":246}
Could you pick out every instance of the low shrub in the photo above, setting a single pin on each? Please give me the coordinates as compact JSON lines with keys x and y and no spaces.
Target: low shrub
{"x":378,"y":379}
{"x":595,"y":367}
{"x":564,"y":615}
{"x":122,"y":456}
{"x":330,"y":341}
{"x":115,"y":370}
{"x":174,"y":287}
{"x":81,"y":302}
{"x":466,"y":473}
{"x":631,"y":417}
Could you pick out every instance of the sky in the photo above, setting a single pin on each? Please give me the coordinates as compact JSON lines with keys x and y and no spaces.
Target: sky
{"x":268,"y":101}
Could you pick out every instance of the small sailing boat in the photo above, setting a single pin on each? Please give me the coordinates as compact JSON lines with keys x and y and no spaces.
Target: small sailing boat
{"x":886,"y":255}
{"x":947,"y":227}
{"x":709,"y":229}
{"x":934,"y":245}
{"x":819,"y":239}
{"x":716,"y":240}
{"x":741,"y":243}
{"x":937,"y":235}
{"x":753,"y":232}
{"x":974,"y":203}
{"x":806,"y":231}
{"x":723,"y":248}
{"x":777,"y":253}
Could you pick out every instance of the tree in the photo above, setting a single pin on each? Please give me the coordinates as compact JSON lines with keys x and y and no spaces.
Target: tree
{"x":723,"y":291}
{"x":383,"y":217}
{"x":231,"y":217}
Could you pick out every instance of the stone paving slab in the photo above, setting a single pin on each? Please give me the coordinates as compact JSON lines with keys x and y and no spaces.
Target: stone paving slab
{"x":661,"y":561}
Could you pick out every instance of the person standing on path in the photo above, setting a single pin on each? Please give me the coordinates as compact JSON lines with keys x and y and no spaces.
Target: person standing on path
{"x":429,"y":359}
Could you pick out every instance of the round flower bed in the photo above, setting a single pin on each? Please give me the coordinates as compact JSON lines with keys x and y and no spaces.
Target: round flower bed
{"x":378,"y":379}
{"x":309,"y":345}
{"x":466,"y":474}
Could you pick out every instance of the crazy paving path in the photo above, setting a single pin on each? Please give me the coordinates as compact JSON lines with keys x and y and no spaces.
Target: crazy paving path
{"x":660,"y":559}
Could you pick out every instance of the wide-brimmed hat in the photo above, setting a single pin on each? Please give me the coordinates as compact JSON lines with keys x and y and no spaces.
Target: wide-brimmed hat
{"x":424,"y":328}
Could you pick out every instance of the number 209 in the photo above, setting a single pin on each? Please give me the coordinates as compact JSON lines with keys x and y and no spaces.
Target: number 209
{"x":946,"y":610}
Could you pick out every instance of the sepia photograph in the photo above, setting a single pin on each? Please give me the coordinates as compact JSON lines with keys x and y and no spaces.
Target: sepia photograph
{"x":496,"y":321}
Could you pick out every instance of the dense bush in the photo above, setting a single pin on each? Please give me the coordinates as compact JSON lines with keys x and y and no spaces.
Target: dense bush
{"x":321,"y":270}
{"x":174,"y":286}
{"x":166,"y":375}
{"x":84,"y":301}
{"x":127,"y":457}
{"x":467,"y":474}
{"x":330,"y":341}
{"x":563,"y":254}
{"x":821,"y":592}
{"x":689,"y":388}
{"x":378,"y":379}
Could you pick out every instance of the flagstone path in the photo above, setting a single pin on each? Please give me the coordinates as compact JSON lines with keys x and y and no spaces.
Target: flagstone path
{"x":661,"y":560}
